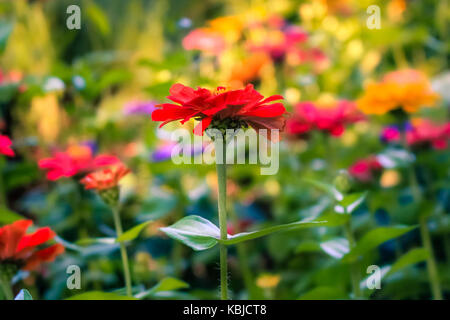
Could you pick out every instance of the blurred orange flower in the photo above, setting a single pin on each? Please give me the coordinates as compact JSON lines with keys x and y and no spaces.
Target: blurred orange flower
{"x":19,"y":248}
{"x":406,"y":89}
{"x":248,"y":70}
{"x":106,"y":178}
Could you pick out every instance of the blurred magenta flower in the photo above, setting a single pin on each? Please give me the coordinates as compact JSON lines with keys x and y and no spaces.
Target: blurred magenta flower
{"x":332,"y":119}
{"x":363,"y":170}
{"x":5,"y":146}
{"x":76,"y":159}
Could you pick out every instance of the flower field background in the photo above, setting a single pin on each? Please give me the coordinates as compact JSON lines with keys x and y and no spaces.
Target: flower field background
{"x":92,"y":205}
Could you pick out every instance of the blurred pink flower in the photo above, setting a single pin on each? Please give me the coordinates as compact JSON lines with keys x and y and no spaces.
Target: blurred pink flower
{"x":76,"y":159}
{"x":204,"y":40}
{"x":309,"y":116}
{"x":364,"y":169}
{"x":5,"y":146}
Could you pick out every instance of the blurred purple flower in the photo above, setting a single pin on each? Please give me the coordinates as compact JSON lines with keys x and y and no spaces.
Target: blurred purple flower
{"x":164,"y":151}
{"x":139,"y":108}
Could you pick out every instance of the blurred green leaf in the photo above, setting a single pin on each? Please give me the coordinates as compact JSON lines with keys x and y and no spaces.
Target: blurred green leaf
{"x":133,"y":233}
{"x":336,"y":248}
{"x":350,"y":202}
{"x":92,"y":241}
{"x":324,"y":293}
{"x":99,"y":295}
{"x":24,"y":294}
{"x":413,"y":256}
{"x":98,"y":18}
{"x":7,"y":216}
{"x":328,"y":188}
{"x":374,"y":238}
{"x":166,"y":284}
{"x":5,"y":30}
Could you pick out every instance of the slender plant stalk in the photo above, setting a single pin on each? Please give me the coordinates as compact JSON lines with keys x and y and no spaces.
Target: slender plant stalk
{"x":2,"y":185}
{"x":221,"y":200}
{"x":123,"y":252}
{"x":354,"y":273}
{"x":5,"y":287}
{"x":242,"y":254}
{"x":431,"y":261}
{"x":433,"y":275}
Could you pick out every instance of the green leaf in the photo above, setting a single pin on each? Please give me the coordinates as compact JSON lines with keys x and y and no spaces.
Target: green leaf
{"x":5,"y":30}
{"x":244,"y":236}
{"x":336,"y":248}
{"x":99,"y":295}
{"x":201,"y":234}
{"x":328,"y":188}
{"x":195,"y":232}
{"x":166,"y":284}
{"x":350,"y":202}
{"x":98,"y":18}
{"x":374,"y":238}
{"x":92,"y":241}
{"x":324,"y":293}
{"x":413,"y":256}
{"x":7,"y":216}
{"x":133,"y":233}
{"x":24,"y":294}
{"x":308,"y":246}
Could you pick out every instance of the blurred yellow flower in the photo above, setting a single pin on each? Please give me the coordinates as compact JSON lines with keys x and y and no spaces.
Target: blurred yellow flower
{"x":406,"y":89}
{"x":390,"y":178}
{"x":48,"y":116}
{"x":268,"y":281}
{"x":292,"y":95}
{"x":272,"y":187}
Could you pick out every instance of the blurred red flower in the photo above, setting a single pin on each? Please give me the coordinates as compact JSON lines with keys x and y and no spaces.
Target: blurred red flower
{"x":5,"y":146}
{"x":309,"y":116}
{"x":19,"y":248}
{"x":364,"y":169}
{"x":243,"y":105}
{"x":76,"y":159}
{"x":105,"y":178}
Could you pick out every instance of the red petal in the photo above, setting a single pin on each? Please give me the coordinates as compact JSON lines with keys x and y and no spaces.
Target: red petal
{"x":10,"y":236}
{"x":39,"y":237}
{"x":202,"y":126}
{"x":45,"y":255}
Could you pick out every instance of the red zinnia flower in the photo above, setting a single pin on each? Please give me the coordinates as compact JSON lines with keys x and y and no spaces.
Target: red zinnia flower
{"x":5,"y":146}
{"x":19,"y":248}
{"x":106,"y":178}
{"x":243,"y":105}
{"x":308,"y":116}
{"x":364,"y":169}
{"x":74,"y":160}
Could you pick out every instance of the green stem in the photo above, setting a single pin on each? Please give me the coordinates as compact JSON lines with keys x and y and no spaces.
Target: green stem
{"x":354,"y":270}
{"x":6,"y":287}
{"x":242,"y":255}
{"x":3,"y":202}
{"x":433,"y":275}
{"x":123,"y":252}
{"x":431,"y":261}
{"x":221,"y":200}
